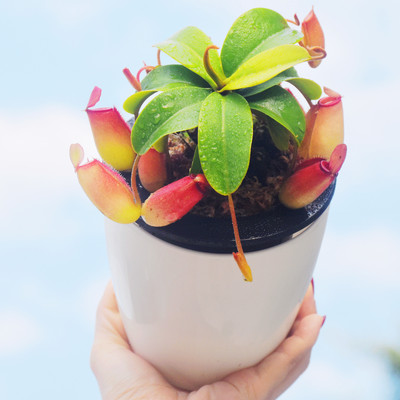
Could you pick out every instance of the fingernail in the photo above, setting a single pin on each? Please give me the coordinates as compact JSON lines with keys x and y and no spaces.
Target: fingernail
{"x":312,"y":284}
{"x":323,"y":321}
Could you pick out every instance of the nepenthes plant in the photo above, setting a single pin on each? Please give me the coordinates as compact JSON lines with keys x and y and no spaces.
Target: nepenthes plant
{"x":219,"y":95}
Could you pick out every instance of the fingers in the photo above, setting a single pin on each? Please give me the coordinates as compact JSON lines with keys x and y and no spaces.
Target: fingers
{"x":302,"y":340}
{"x":278,"y":371}
{"x":111,"y":355}
{"x":308,"y":306}
{"x":108,"y":320}
{"x":119,"y":371}
{"x":109,"y":333}
{"x":108,"y":300}
{"x":293,"y":355}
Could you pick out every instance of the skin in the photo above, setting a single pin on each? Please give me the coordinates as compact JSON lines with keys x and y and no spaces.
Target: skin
{"x":123,"y":375}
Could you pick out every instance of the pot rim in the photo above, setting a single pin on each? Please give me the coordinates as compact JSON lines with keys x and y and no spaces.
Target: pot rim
{"x":257,"y":232}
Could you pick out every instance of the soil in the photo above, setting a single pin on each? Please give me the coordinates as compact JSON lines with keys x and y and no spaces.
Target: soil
{"x":259,"y":190}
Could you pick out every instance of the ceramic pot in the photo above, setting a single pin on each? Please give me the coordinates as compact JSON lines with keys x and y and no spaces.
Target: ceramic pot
{"x":185,"y":306}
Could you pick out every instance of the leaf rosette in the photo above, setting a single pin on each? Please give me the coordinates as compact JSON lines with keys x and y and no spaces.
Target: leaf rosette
{"x":217,"y":94}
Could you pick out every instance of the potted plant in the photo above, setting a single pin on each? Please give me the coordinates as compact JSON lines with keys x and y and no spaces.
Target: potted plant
{"x":216,"y":135}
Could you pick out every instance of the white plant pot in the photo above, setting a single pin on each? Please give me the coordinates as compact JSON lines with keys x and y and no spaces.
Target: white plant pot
{"x":191,"y":314}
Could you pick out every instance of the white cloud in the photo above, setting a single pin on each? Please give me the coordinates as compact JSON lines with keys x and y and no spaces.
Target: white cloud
{"x":18,"y":332}
{"x":66,"y":13}
{"x":36,"y":173}
{"x":73,"y":11}
{"x":35,"y":149}
{"x":370,"y":257}
{"x":371,"y":136}
{"x":360,"y":378}
{"x":328,"y":377}
{"x":231,"y":10}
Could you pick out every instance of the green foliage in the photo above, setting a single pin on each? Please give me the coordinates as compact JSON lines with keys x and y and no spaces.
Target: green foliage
{"x":172,"y":111}
{"x":225,"y":156}
{"x":265,"y":66}
{"x":309,"y":88}
{"x":278,"y":104}
{"x":276,"y":80}
{"x":279,"y":134}
{"x":196,"y":164}
{"x":218,"y":94}
{"x":168,"y":77}
{"x":188,"y":47}
{"x":133,"y":103}
{"x":257,"y":30}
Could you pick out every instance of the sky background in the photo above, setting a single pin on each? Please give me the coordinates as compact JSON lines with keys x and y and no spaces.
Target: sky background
{"x":53,"y":258}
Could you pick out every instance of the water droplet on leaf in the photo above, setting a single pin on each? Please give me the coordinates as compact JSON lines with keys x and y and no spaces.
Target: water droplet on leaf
{"x":169,"y":104}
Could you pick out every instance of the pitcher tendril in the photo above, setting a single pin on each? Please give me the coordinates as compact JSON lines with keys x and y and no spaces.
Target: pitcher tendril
{"x":316,"y":52}
{"x":132,"y":80}
{"x":146,"y":68}
{"x":135,"y":191}
{"x":207,"y":65}
{"x":239,"y":255}
{"x":296,"y":20}
{"x":159,"y":57}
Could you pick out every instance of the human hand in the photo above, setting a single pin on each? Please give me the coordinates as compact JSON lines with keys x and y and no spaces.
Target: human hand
{"x":123,"y":375}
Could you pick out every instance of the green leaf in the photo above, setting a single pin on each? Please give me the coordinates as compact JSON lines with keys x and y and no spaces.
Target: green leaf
{"x":133,"y":103}
{"x":161,"y":145}
{"x":265,"y":66}
{"x":281,"y":106}
{"x":224,"y":138}
{"x":188,"y":47}
{"x":307,"y":87}
{"x":279,"y":134}
{"x":196,"y":165}
{"x":168,"y":77}
{"x":173,"y":111}
{"x":252,"y":33}
{"x":276,"y":80}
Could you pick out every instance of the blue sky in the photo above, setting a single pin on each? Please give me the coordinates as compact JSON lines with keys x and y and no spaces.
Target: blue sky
{"x":54,"y":265}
